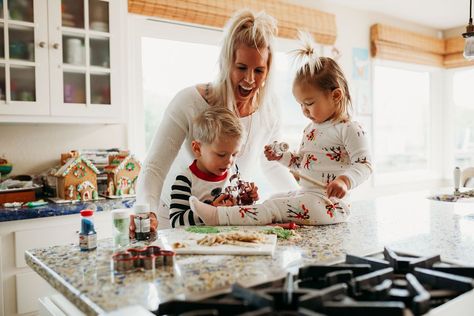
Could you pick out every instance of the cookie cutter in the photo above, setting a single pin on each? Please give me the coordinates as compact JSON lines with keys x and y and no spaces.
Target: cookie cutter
{"x":147,"y":258}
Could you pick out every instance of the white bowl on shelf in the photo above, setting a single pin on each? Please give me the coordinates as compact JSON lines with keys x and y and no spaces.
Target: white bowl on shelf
{"x":99,"y":26}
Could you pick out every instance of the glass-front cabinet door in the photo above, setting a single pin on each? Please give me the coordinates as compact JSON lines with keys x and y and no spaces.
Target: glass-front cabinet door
{"x":23,"y":57}
{"x":81,"y":65}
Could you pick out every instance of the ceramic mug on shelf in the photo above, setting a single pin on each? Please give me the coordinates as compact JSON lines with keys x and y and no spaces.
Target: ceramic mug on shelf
{"x":74,"y":51}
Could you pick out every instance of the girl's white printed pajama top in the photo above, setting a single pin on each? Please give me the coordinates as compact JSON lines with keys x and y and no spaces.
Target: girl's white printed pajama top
{"x":327,"y":150}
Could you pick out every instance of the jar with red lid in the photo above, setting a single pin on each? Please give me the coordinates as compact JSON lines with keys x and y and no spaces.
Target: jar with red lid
{"x":88,"y":235}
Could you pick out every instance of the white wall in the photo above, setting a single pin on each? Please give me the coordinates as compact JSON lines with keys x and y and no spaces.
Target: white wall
{"x":32,"y":148}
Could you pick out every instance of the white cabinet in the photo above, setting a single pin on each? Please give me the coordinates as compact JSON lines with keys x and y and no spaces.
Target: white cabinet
{"x":20,"y":287}
{"x":60,"y":59}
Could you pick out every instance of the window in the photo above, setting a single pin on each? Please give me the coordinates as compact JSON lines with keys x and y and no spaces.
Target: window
{"x":167,"y":69}
{"x":463,"y":118}
{"x":401,"y":119}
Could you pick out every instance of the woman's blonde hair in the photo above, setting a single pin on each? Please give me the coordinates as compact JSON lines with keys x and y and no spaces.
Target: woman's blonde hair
{"x":322,"y":73}
{"x":256,"y":30}
{"x":214,"y":122}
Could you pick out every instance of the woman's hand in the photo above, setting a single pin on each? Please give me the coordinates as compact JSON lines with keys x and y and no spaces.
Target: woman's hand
{"x":270,"y":154}
{"x":153,"y":222}
{"x":338,"y":187}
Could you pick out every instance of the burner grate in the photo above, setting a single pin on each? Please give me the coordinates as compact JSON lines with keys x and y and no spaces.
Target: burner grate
{"x":389,"y":284}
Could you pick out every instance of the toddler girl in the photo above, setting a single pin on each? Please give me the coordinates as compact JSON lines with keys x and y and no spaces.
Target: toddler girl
{"x":334,"y":150}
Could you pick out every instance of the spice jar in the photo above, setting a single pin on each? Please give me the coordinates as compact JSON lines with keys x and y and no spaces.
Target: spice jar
{"x":88,"y":235}
{"x":142,"y":221}
{"x":121,"y":223}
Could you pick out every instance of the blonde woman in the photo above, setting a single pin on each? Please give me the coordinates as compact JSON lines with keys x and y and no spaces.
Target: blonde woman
{"x":244,"y":85}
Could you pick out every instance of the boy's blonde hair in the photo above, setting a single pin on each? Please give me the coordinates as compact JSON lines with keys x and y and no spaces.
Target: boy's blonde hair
{"x":256,"y":30}
{"x":215,"y":122}
{"x":322,"y":73}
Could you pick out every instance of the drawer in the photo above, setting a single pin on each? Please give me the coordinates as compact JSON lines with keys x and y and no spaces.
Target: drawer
{"x":58,"y":305}
{"x":29,"y":288}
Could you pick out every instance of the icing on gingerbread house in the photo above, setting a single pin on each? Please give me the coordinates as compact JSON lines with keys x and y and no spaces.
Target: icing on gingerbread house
{"x":122,"y":173}
{"x":77,"y":179}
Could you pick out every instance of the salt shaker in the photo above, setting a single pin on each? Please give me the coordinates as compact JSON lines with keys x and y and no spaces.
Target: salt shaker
{"x":88,"y":235}
{"x":279,"y":148}
{"x":457,"y":180}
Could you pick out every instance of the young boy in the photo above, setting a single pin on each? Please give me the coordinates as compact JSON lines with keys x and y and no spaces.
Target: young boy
{"x":217,"y":140}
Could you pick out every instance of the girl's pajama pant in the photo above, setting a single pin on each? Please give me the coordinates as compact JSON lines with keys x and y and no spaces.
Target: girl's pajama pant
{"x":304,"y":207}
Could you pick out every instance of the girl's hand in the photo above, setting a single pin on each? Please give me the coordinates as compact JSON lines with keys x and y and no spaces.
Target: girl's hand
{"x":338,"y":187}
{"x":270,"y":154}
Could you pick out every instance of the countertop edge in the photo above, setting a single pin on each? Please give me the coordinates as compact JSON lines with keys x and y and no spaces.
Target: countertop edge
{"x":59,"y":284}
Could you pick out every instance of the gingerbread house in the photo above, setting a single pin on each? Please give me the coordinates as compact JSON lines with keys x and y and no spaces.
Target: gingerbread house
{"x":77,"y":178}
{"x":122,"y":173}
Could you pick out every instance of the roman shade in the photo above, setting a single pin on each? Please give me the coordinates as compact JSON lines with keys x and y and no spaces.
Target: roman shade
{"x":391,"y":43}
{"x":215,"y":13}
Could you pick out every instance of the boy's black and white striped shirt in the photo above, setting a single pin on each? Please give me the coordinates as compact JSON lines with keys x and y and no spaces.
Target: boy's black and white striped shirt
{"x":194,"y":183}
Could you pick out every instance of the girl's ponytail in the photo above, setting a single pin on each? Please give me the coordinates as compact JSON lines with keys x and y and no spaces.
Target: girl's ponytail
{"x":306,"y":60}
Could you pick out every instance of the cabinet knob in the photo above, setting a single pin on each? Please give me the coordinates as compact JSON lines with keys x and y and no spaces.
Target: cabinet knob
{"x":55,"y":45}
{"x":42,"y":44}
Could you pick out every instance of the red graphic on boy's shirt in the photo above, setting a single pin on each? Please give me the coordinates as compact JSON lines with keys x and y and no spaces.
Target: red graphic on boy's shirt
{"x":295,"y":161}
{"x":334,"y":152}
{"x":311,"y":135}
{"x":332,"y":208}
{"x":299,"y":213}
{"x":309,"y":159}
{"x":249,"y":212}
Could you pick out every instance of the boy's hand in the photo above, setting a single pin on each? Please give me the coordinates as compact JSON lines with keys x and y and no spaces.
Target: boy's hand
{"x":254,"y":192}
{"x":338,"y":187}
{"x":270,"y":154}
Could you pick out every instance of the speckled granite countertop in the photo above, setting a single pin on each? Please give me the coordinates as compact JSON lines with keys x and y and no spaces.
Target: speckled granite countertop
{"x":52,"y":209}
{"x":409,"y":223}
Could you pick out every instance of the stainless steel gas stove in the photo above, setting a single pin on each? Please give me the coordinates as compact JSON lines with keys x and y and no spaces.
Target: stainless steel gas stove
{"x":386,"y":284}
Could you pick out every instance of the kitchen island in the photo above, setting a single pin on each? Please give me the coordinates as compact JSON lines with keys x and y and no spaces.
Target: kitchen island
{"x":407,"y":223}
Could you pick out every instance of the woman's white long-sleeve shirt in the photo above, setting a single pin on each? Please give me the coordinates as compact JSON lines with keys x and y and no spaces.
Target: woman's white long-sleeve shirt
{"x":170,"y":150}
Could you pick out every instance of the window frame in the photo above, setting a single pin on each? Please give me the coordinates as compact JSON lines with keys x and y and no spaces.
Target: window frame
{"x":450,"y":145}
{"x":154,"y":28}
